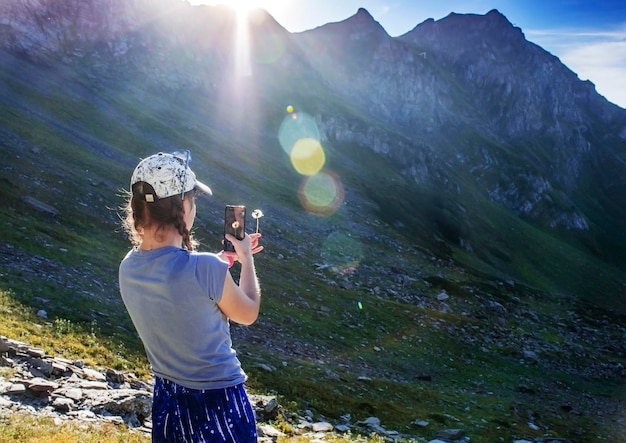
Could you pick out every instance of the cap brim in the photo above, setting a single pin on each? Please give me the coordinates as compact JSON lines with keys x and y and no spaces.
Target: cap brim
{"x":203,"y":188}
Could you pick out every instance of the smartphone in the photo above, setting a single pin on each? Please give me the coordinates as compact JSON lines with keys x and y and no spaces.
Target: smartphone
{"x":234,"y":224}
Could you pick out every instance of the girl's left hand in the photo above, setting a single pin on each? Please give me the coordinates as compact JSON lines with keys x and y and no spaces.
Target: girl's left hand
{"x":232,"y":257}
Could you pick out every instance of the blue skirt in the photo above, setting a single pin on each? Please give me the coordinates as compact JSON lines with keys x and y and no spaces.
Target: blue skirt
{"x":184,"y":415}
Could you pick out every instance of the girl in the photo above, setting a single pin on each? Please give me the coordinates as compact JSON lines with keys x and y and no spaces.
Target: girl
{"x":180,"y":302}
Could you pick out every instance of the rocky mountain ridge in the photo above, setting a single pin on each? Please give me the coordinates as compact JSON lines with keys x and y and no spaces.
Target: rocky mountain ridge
{"x":510,"y":97}
{"x":464,"y":75}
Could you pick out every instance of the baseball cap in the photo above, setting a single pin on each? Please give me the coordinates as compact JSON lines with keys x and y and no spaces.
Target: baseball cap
{"x":168,"y":174}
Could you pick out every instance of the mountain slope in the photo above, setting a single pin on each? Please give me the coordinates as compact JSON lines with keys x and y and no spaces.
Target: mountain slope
{"x":474,"y":200}
{"x":474,"y":114}
{"x":499,"y":156}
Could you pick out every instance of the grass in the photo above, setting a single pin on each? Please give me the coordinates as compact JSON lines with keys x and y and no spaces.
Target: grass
{"x":75,"y":339}
{"x":31,"y":429}
{"x":475,"y":387}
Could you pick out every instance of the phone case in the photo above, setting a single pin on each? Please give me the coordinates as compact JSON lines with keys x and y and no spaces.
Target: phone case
{"x":234,"y":224}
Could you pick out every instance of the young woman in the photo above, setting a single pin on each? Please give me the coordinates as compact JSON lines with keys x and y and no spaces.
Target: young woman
{"x":181,"y":301}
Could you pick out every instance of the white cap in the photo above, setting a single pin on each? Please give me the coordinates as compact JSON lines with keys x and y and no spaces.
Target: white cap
{"x":168,"y":174}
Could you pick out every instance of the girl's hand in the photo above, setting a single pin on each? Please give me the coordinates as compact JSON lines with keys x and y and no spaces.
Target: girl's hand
{"x":246,"y":247}
{"x":254,"y":242}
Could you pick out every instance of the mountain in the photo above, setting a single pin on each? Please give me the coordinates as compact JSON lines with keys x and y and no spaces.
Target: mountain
{"x":505,"y":112}
{"x":501,"y":157}
{"x":467,"y":220}
{"x":473,"y":114}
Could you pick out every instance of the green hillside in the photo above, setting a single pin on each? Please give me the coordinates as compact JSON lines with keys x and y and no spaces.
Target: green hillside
{"x":351,"y":320}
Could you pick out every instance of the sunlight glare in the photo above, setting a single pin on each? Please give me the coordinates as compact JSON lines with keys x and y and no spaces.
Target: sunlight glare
{"x":243,"y":10}
{"x":343,"y":253}
{"x":307,"y":156}
{"x":322,"y":193}
{"x":242,"y":7}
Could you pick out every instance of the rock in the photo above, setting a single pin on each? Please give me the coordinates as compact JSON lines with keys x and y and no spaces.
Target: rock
{"x":373,"y":425}
{"x":71,"y":393}
{"x":41,"y":206}
{"x":266,"y":407}
{"x":451,"y":434}
{"x":83,"y":414}
{"x":6,"y":403}
{"x":530,"y":356}
{"x":58,"y":368}
{"x":442,"y":296}
{"x":82,"y":393}
{"x":37,"y":373}
{"x":4,"y":347}
{"x":322,"y":426}
{"x":41,"y":385}
{"x":115,"y":376}
{"x":370,"y":421}
{"x":342,"y":428}
{"x":496,"y":308}
{"x":16,"y":388}
{"x":63,"y":404}
{"x":331,"y":375}
{"x":265,"y":367}
{"x":269,"y":431}
{"x":91,"y":374}
{"x":88,"y":384}
{"x":6,"y":362}
{"x":35,"y":352}
{"x":119,"y":401}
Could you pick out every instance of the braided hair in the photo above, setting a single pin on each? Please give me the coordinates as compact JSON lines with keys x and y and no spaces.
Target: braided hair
{"x":140,"y":214}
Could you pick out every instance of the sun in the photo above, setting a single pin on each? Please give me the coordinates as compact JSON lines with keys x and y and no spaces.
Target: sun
{"x":242,"y":7}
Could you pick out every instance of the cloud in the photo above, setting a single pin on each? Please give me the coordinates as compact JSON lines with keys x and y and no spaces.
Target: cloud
{"x":595,"y":55}
{"x":604,"y":64}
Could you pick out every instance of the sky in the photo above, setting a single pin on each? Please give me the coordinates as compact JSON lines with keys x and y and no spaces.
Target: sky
{"x":588,"y":36}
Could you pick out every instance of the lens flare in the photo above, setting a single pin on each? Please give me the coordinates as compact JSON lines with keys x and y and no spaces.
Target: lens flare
{"x":307,"y":156}
{"x":342,"y":252}
{"x":322,"y":193}
{"x":268,"y":48}
{"x":294,"y":127}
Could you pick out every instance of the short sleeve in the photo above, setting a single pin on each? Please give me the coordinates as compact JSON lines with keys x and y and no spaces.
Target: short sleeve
{"x":210,"y":274}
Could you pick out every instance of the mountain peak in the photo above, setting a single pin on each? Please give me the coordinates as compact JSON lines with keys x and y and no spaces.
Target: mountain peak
{"x":360,"y":23}
{"x":364,"y":19}
{"x":496,"y":19}
{"x":493,"y":26}
{"x":364,"y":13}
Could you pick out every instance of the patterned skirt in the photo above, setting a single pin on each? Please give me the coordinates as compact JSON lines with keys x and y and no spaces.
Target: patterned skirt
{"x":184,"y":415}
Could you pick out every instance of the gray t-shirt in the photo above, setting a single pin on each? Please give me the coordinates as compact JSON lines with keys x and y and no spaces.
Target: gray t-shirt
{"x":171,"y":295}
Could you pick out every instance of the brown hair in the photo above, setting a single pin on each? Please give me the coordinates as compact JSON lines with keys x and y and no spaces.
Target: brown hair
{"x":162,"y":213}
